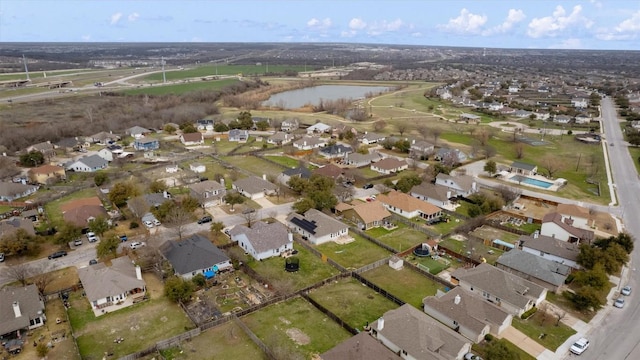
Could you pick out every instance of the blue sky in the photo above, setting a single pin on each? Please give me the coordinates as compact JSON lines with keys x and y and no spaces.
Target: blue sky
{"x":588,"y":24}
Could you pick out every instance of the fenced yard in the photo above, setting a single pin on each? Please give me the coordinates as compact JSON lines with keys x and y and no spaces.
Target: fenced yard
{"x":429,"y":264}
{"x":489,"y":233}
{"x":401,"y":238}
{"x":284,"y":160}
{"x":253,"y":165}
{"x":295,"y":327}
{"x":405,"y":284}
{"x":474,"y":249}
{"x":236,"y":291}
{"x":354,"y":254}
{"x":52,"y":208}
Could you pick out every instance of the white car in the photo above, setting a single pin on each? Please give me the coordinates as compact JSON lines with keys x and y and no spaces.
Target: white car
{"x":92,"y":237}
{"x":579,"y":346}
{"x":619,"y":303}
{"x":136,"y":244}
{"x":626,"y":291}
{"x":156,"y":222}
{"x":148,"y":223}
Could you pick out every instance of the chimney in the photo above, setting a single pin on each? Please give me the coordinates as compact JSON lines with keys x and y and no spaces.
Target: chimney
{"x":16,"y":309}
{"x":456,"y":300}
{"x":448,"y":195}
{"x":380,"y":323}
{"x":264,"y":177}
{"x":290,"y":237}
{"x":222,"y":181}
{"x":138,"y":272}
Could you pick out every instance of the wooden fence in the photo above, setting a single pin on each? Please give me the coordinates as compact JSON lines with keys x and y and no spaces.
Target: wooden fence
{"x":320,"y":255}
{"x":377,"y":289}
{"x":253,"y":337}
{"x":372,"y":239}
{"x":429,"y":275}
{"x":415,"y":226}
{"x":329,"y":314}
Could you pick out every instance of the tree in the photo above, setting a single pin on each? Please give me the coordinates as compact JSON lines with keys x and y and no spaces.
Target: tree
{"x":157,"y":186}
{"x":220,"y":127}
{"x":552,"y":164}
{"x":498,"y":350}
{"x":491,"y":167}
{"x":519,"y":150}
{"x":121,"y":192}
{"x":596,"y":278}
{"x":169,"y":129}
{"x":407,"y":182}
{"x":67,"y":233}
{"x":41,"y":278}
{"x":489,"y":151}
{"x":250,"y":217}
{"x":403,"y":146}
{"x":19,"y":273}
{"x":402,"y":128}
{"x":100,"y":178}
{"x":262,"y":125}
{"x":216,"y":228}
{"x":177,"y":219}
{"x":435,"y":132}
{"x":199,"y":280}
{"x":188,"y":128}
{"x":245,"y":120}
{"x":298,"y":184}
{"x":32,"y":159}
{"x":233,"y":198}
{"x":423,"y":131}
{"x":379,"y":125}
{"x":107,"y":247}
{"x":19,"y":242}
{"x":178,"y":289}
{"x":302,"y":205}
{"x":99,"y":225}
{"x":586,"y":298}
{"x":42,"y":350}
{"x":508,"y":193}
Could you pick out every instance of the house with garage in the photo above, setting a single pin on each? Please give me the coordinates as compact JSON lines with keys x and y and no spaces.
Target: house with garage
{"x":562,"y":119}
{"x":103,"y":138}
{"x":289,"y":125}
{"x":21,"y":309}
{"x":91,"y":163}
{"x":70,"y":144}
{"x":553,"y":249}
{"x":372,"y":138}
{"x":365,"y":215}
{"x":47,"y":174}
{"x":467,"y":313}
{"x":195,"y":255}
{"x":110,"y":288}
{"x":582,"y":119}
{"x":389,"y":165}
{"x":318,"y":128}
{"x":536,"y":269}
{"x":205,"y":125}
{"x":300,"y":171}
{"x":310,"y":143}
{"x":437,"y":195}
{"x":554,"y":225}
{"x":356,"y":159}
{"x":511,"y":292}
{"x":580,"y":216}
{"x":142,"y":205}
{"x":146,"y":144}
{"x":333,"y":171}
{"x":450,"y":157}
{"x":522,"y":168}
{"x":137,"y":132}
{"x":208,"y":193}
{"x":239,"y":135}
{"x":413,"y":334}
{"x":317,"y":227}
{"x":421,"y":148}
{"x":106,"y":153}
{"x":360,"y":347}
{"x":263,"y":240}
{"x":409,"y":207}
{"x":461,"y":185}
{"x":280,"y":138}
{"x":254,"y":187}
{"x":192,"y":139}
{"x":10,"y":191}
{"x":336,"y":151}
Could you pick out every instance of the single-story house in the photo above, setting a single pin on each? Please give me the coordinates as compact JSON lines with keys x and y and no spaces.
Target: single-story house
{"x":192,"y":139}
{"x":536,"y":269}
{"x":21,"y":308}
{"x":11,"y":226}
{"x":263,"y":240}
{"x":470,"y":118}
{"x":197,"y":167}
{"x":407,"y":206}
{"x":367,"y":215}
{"x":462,"y":185}
{"x":71,"y":144}
{"x":523,"y":168}
{"x":360,"y":347}
{"x":553,"y":249}
{"x":103,"y":138}
{"x":239,"y":135}
{"x":332,"y":171}
{"x":174,"y":168}
{"x":300,"y":171}
{"x":318,"y":128}
{"x":195,"y":255}
{"x":310,"y":143}
{"x":562,"y":119}
{"x":467,"y":314}
{"x":389,"y":165}
{"x":137,"y":132}
{"x":580,"y":103}
{"x":511,"y":292}
{"x":280,"y":138}
{"x":358,"y":160}
{"x":450,"y":156}
{"x":582,"y":119}
{"x":289,"y":125}
{"x":259,"y":119}
{"x":254,"y":187}
{"x":141,"y":205}
{"x":47,"y":174}
{"x":81,"y":211}
{"x":413,"y":334}
{"x":10,"y":191}
{"x":91,"y":163}
{"x":434,"y":194}
{"x":554,"y":225}
{"x":106,"y":154}
{"x":371,"y":138}
{"x":110,"y":288}
{"x":316,"y":226}
{"x":208,"y":192}
{"x":145,"y":144}
{"x":335,"y":151}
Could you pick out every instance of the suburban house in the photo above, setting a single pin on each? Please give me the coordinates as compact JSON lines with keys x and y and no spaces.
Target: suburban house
{"x":335,"y":151}
{"x":511,"y":292}
{"x":300,"y":171}
{"x":358,"y":160}
{"x":263,"y":240}
{"x":11,"y":226}
{"x":470,"y":118}
{"x":197,"y":167}
{"x":554,"y":225}
{"x":523,"y":168}
{"x":239,"y":135}
{"x":408,"y":206}
{"x":562,"y":119}
{"x":437,"y":195}
{"x":254,"y":187}
{"x":47,"y":174}
{"x":582,"y":119}
{"x":106,"y":153}
{"x":467,"y":313}
{"x":145,"y":144}
{"x":103,"y":138}
{"x":10,"y":191}
{"x":536,"y":269}
{"x":192,"y":139}
{"x":205,"y":124}
{"x":195,"y":255}
{"x":46,"y":148}
{"x":421,"y":148}
{"x":450,"y":156}
{"x":21,"y":309}
{"x":553,"y":249}
{"x":580,"y":216}
{"x":141,"y":205}
{"x":172,"y":169}
{"x":371,"y":138}
{"x":110,"y":288}
{"x":81,"y":211}
{"x":289,"y":125}
{"x":280,"y":138}
{"x":332,"y":171}
{"x":91,"y":163}
{"x":317,"y":227}
{"x":360,"y":347}
{"x":137,"y":132}
{"x":580,"y":103}
{"x":365,"y":215}
{"x":71,"y":144}
{"x":462,"y":185}
{"x":310,"y":143}
{"x":389,"y":165}
{"x":208,"y":193}
{"x":318,"y":128}
{"x":413,"y":334}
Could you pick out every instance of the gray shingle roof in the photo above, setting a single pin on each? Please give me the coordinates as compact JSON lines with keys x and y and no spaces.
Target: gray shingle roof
{"x":360,"y":347}
{"x":431,"y":191}
{"x":324,"y":223}
{"x":551,"y":246}
{"x":535,"y":266}
{"x":207,"y":185}
{"x":263,"y":236}
{"x":10,"y":189}
{"x":556,"y":218}
{"x":29,"y":303}
{"x":193,"y":253}
{"x":521,"y":165}
{"x":93,"y":161}
{"x":301,"y":171}
{"x":254,"y":184}
{"x":100,"y":281}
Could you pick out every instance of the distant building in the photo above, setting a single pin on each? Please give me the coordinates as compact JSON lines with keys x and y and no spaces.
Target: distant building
{"x":145,"y":144}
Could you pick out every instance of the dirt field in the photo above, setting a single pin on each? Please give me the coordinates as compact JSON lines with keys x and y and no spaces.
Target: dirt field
{"x":533,"y":209}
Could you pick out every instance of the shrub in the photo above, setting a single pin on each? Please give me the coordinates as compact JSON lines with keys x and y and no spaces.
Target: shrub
{"x":199,"y":280}
{"x":527,"y":314}
{"x":134,"y":225}
{"x":488,"y":337}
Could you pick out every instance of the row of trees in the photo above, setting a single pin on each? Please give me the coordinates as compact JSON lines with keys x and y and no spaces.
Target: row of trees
{"x":315,"y":192}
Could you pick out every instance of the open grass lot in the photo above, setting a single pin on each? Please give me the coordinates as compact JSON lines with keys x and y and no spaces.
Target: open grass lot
{"x":224,"y":146}
{"x":445,"y":227}
{"x":223,"y":69}
{"x":178,"y":89}
{"x":534,"y":326}
{"x":473,"y":249}
{"x":284,"y":160}
{"x":401,"y":238}
{"x":141,"y":325}
{"x":254,"y":165}
{"x":213,"y":167}
{"x":354,"y":254}
{"x":355,"y":304}
{"x":367,"y":173}
{"x":405,"y":284}
{"x":456,"y":245}
{"x":227,"y":341}
{"x":295,"y":326}
{"x":481,"y":349}
{"x":253,"y":145}
{"x":52,"y":208}
{"x":312,"y":269}
{"x":63,"y":279}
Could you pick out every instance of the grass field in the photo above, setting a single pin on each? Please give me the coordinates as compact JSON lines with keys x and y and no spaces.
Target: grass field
{"x":224,"y":146}
{"x":489,"y":233}
{"x":355,"y":254}
{"x":284,"y":160}
{"x":254,"y":165}
{"x":435,"y":266}
{"x":355,"y":304}
{"x":407,"y":285}
{"x":295,"y":327}
{"x":223,"y":69}
{"x":178,"y":89}
{"x":52,"y":208}
{"x":400,"y":238}
{"x":538,"y":324}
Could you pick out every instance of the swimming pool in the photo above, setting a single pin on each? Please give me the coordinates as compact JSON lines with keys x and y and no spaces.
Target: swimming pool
{"x":530,"y":181}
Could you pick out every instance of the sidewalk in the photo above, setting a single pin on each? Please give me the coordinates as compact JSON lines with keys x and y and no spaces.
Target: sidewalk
{"x":523,"y":341}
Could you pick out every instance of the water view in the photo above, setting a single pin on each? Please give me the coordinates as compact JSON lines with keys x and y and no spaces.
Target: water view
{"x":312,"y":95}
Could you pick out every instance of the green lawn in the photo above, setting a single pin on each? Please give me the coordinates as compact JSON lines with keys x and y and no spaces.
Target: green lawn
{"x":454,"y":245}
{"x":295,"y":327}
{"x":354,"y":254}
{"x":253,"y":145}
{"x":178,"y":89}
{"x":481,"y":349}
{"x":53,"y":208}
{"x":254,"y":165}
{"x":539,"y":324}
{"x":435,"y":266}
{"x":463,"y":209}
{"x":284,"y":160}
{"x":367,"y":173}
{"x":5,"y":208}
{"x":224,"y":69}
{"x":445,"y":227}
{"x":224,"y":146}
{"x":355,"y":304}
{"x":400,"y":238}
{"x":407,"y":285}
{"x":489,"y":233}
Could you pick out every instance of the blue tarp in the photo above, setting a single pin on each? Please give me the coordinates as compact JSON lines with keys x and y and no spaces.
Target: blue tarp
{"x":211,"y":273}
{"x":504,"y":243}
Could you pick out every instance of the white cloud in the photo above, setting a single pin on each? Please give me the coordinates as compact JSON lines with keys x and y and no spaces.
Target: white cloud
{"x":513,"y":17}
{"x":133,"y":16}
{"x":558,"y":22}
{"x":568,"y":44}
{"x":115,"y":18}
{"x":357,"y":24}
{"x":416,"y":34}
{"x":465,"y":23}
{"x":85,"y":37}
{"x":317,"y":24}
{"x":628,"y":29}
{"x":596,"y":3}
{"x":383,"y":26}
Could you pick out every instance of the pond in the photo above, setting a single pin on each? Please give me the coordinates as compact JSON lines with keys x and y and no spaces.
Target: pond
{"x":294,"y":99}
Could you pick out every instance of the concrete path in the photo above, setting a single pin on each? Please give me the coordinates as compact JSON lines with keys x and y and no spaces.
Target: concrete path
{"x":523,"y":341}
{"x":264,"y":202}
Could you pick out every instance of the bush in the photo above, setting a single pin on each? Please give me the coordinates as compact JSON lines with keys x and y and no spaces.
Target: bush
{"x":134,"y":225}
{"x":527,"y":314}
{"x":488,"y":337}
{"x":199,"y":280}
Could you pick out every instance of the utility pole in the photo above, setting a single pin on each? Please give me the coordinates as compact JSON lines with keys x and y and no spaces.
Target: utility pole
{"x":26,"y":70}
{"x":164,"y":76}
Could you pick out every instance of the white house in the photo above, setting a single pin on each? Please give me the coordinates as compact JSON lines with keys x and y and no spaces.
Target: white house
{"x":389,"y":165}
{"x":106,"y":154}
{"x":437,"y":195}
{"x":554,"y":225}
{"x":463,"y":185}
{"x":318,"y":128}
{"x":580,"y":102}
{"x":192,"y":139}
{"x":552,"y":249}
{"x":197,"y":168}
{"x":10,"y":191}
{"x":254,"y":187}
{"x":408,"y":206}
{"x":371,"y":138}
{"x":89,"y":163}
{"x":172,"y":168}
{"x":280,"y":138}
{"x":289,"y":125}
{"x":317,"y":227}
{"x":263,"y":240}
{"x":310,"y":143}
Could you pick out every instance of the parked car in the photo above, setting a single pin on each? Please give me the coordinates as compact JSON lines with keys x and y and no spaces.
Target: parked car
{"x":579,"y":346}
{"x":57,"y":254}
{"x":626,"y":291}
{"x":367,"y":186}
{"x":248,"y":211}
{"x":123,"y":238}
{"x":93,"y":262}
{"x":1,"y":257}
{"x":205,"y":219}
{"x":148,"y":223}
{"x":77,"y":242}
{"x":156,"y":222}
{"x":471,"y":356}
{"x":92,"y":237}
{"x":136,"y":244}
{"x":619,"y":303}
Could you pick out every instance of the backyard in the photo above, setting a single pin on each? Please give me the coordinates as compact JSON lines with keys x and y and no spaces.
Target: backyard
{"x":400,"y":238}
{"x":354,"y":254}
{"x":405,"y":284}
{"x":284,"y":160}
{"x":52,"y":208}
{"x":471,"y":248}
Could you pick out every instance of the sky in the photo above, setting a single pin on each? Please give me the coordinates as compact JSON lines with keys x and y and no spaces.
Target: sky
{"x":542,"y":24}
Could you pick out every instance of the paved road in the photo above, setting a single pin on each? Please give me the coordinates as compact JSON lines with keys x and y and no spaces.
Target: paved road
{"x":618,"y":336}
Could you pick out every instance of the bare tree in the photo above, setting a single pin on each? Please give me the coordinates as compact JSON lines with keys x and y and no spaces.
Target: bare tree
{"x":177,"y":219}
{"x":251,"y":217}
{"x":379,"y":125}
{"x":402,"y":128}
{"x":560,"y":314}
{"x":519,"y":149}
{"x":138,"y":206}
{"x":552,"y":164}
{"x":435,"y":132}
{"x":19,"y":273}
{"x":423,"y":131}
{"x":489,"y":151}
{"x":42,"y":278}
{"x":508,"y":193}
{"x":89,"y":113}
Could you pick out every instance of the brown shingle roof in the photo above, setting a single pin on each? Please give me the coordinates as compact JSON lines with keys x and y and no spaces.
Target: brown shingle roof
{"x":389,"y":164}
{"x":46,"y":169}
{"x":371,"y":211}
{"x":330,"y":170}
{"x":263,"y":236}
{"x":551,"y":246}
{"x":192,"y":137}
{"x":360,"y":347}
{"x":79,"y":216}
{"x":407,"y":203}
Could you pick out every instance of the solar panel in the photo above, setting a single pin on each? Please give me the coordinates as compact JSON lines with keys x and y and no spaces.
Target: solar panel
{"x":305,"y":225}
